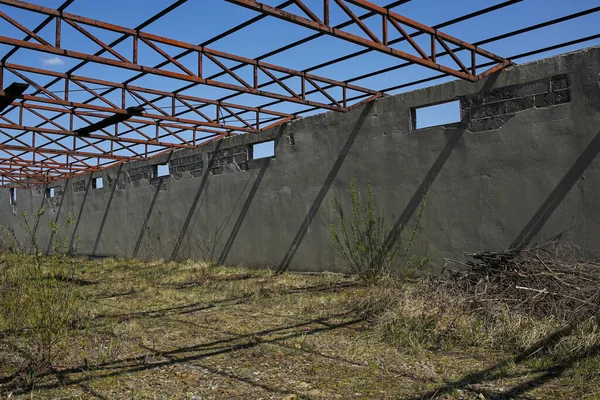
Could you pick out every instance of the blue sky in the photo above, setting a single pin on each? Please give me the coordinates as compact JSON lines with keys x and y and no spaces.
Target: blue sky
{"x":199,"y":20}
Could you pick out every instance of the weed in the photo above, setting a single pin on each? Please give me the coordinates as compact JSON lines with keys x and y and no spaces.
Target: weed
{"x":208,"y":245}
{"x":39,"y":296}
{"x":586,"y":371}
{"x":369,"y":246}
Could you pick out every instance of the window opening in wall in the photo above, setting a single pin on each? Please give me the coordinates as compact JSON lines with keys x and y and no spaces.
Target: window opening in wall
{"x":263,"y":150}
{"x":97,"y":183}
{"x":161,"y":170}
{"x":13,"y":196}
{"x":50,"y":192}
{"x":435,"y":115}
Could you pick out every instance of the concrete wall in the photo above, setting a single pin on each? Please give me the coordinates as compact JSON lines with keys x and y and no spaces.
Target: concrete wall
{"x":521,"y":167}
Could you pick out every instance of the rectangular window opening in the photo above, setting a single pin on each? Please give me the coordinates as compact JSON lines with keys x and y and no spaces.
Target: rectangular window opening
{"x":436,"y":115}
{"x":161,"y":170}
{"x":50,"y":193}
{"x":97,"y":183}
{"x":13,"y":196}
{"x":262,"y":150}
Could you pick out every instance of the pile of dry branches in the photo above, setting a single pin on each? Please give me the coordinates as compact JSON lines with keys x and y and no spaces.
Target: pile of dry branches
{"x":554,"y":279}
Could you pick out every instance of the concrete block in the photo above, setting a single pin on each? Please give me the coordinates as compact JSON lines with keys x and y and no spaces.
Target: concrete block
{"x":517,"y":105}
{"x":560,"y":82}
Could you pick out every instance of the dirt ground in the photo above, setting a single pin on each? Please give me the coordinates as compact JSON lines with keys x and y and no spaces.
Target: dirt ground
{"x":190,"y":331}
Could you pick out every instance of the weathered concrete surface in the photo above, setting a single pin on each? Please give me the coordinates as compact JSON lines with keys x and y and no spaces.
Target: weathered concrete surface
{"x":521,"y":167}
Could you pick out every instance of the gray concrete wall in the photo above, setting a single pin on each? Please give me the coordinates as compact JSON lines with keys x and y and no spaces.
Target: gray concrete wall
{"x":521,"y":167}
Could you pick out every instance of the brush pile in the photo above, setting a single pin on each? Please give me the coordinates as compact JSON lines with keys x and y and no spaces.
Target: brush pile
{"x":555,"y":279}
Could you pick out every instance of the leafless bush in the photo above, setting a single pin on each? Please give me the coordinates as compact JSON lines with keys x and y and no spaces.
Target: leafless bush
{"x":554,"y":279}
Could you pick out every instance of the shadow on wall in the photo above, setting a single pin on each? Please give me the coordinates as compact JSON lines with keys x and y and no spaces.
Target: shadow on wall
{"x":561,"y":190}
{"x":434,"y":171}
{"x":80,"y":213}
{"x":238,"y":223}
{"x":194,"y":205}
{"x":104,"y":217}
{"x":337,"y":165}
{"x":421,"y":191}
{"x":413,"y":204}
{"x":161,"y":183}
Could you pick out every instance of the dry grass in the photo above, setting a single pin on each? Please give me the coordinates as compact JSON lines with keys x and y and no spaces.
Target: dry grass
{"x":187,"y":330}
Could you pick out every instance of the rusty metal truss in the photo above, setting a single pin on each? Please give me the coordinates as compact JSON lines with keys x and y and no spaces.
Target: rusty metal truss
{"x":55,"y":125}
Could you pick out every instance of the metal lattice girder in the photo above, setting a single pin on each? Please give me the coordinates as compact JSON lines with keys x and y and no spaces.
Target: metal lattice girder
{"x":160,"y":120}
{"x":211,"y":118}
{"x":9,"y":164}
{"x":380,"y":41}
{"x":249,"y":86}
{"x":169,"y":118}
{"x":40,"y":172}
{"x":44,"y":150}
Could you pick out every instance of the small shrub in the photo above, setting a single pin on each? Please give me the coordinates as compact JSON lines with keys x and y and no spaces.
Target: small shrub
{"x":38,"y":298}
{"x":369,"y":246}
{"x":208,"y":245}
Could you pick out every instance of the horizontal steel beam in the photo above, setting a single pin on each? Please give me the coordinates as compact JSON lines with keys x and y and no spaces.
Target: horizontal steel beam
{"x":380,"y":41}
{"x":78,"y":82}
{"x":45,"y":150}
{"x":95,"y":136}
{"x":249,"y":86}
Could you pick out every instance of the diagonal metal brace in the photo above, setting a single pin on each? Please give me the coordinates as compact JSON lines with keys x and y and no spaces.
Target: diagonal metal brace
{"x":379,"y":40}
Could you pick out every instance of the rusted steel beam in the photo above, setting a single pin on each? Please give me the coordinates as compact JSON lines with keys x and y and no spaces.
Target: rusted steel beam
{"x":180,"y":98}
{"x":144,"y":24}
{"x":95,"y":114}
{"x":19,"y":182}
{"x":215,"y":135}
{"x":11,"y":164}
{"x":38,"y":28}
{"x":379,"y":42}
{"x":365,"y":51}
{"x":94,"y":136}
{"x":245,"y":86}
{"x":44,"y":150}
{"x":38,"y":172}
{"x":24,"y":174}
{"x":193,"y":124}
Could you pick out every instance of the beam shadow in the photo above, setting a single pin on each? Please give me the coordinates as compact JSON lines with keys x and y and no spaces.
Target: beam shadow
{"x":289,"y":332}
{"x":551,"y":373}
{"x":543,"y":214}
{"x":118,"y":294}
{"x":179,"y":310}
{"x":233,"y":376}
{"x":238,"y":223}
{"x":312,"y":212}
{"x":433,"y":172}
{"x":194,"y":204}
{"x":226,"y":343}
{"x":195,"y":307}
{"x":423,"y":188}
{"x":105,"y":216}
{"x":198,"y":282}
{"x":161,"y":182}
{"x":485,"y":374}
{"x":76,"y":227}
